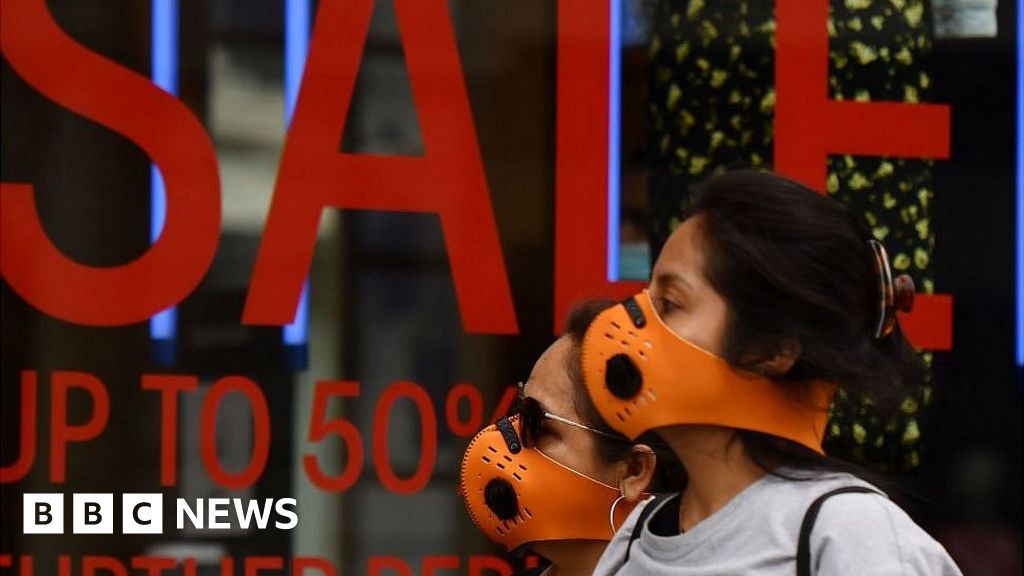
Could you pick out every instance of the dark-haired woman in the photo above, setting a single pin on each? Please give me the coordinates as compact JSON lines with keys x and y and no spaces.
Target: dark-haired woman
{"x":552,"y":477}
{"x":764,"y":300}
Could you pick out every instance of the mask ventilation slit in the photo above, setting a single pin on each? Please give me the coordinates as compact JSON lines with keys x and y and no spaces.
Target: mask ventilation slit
{"x":521,"y":467}
{"x":528,"y":513}
{"x":509,"y":458}
{"x":492,"y":449}
{"x":485,"y":459}
{"x":609,"y":336}
{"x":499,"y":465}
{"x":517,"y":476}
{"x":652,"y":394}
{"x":616,"y":324}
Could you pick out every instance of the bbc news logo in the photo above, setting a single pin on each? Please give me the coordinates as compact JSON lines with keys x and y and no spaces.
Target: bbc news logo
{"x":144,"y":514}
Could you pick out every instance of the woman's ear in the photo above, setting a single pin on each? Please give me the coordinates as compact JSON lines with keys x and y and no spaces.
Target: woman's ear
{"x":778,"y":362}
{"x":637,"y":471}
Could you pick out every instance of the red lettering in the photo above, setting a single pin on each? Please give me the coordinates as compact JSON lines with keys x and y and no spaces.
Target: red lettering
{"x":301,"y":564}
{"x":581,"y":177}
{"x":428,"y":438}
{"x":378,"y":564}
{"x":61,"y":431}
{"x":432,"y":564}
{"x":470,"y":425}
{"x":255,"y":564}
{"x":169,"y":387}
{"x":64,"y":566}
{"x":153,"y":565}
{"x":121,"y":100}
{"x":479,"y":564}
{"x":930,"y":324}
{"x":27,"y":445}
{"x":25,"y":567}
{"x":320,"y":427}
{"x":91,"y":564}
{"x":505,"y":404}
{"x":448,"y":179}
{"x":809,"y":126}
{"x":261,"y":432}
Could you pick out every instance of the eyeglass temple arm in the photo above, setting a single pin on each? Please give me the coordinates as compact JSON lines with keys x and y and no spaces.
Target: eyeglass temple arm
{"x":557,"y":418}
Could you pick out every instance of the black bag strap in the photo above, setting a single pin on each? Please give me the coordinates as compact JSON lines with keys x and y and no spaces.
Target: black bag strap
{"x":803,"y":548}
{"x":638,"y":528}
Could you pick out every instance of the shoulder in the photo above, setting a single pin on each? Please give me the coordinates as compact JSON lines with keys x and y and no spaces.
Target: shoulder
{"x":866,"y":533}
{"x":857,"y":532}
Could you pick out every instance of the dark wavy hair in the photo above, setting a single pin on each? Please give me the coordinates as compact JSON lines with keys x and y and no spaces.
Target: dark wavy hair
{"x":792,"y":264}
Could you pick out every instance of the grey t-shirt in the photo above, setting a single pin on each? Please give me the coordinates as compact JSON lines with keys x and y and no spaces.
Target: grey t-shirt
{"x":756,"y":533}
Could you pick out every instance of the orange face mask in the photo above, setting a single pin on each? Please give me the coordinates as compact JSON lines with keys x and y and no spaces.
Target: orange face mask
{"x":642,"y":376}
{"x":518,"y":495}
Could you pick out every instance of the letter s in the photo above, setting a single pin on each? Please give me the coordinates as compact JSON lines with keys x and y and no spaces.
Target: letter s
{"x":281,"y":509}
{"x":115,"y":97}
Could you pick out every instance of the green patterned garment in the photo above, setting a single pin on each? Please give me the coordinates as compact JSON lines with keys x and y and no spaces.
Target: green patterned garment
{"x":711,"y":104}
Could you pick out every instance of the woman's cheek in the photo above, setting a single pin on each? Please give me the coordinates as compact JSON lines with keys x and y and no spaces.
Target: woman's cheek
{"x":561,"y":451}
{"x":551,"y":447}
{"x":699,"y":330}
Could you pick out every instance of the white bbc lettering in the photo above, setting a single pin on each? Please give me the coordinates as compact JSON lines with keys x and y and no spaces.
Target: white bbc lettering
{"x":227,"y":513}
{"x":252,"y":510}
{"x":185,"y":510}
{"x":92,"y":514}
{"x":290,"y":514}
{"x":142,"y":513}
{"x":42,"y":514}
{"x":218,"y":508}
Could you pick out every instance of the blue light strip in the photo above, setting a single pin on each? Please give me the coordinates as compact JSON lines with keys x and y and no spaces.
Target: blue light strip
{"x":296,"y":47}
{"x":614,"y":136}
{"x":1020,"y":185}
{"x":164,"y":72}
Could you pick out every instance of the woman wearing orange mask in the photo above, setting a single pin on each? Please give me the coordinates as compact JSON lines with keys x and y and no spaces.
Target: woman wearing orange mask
{"x":765,"y":300}
{"x":551,"y":477}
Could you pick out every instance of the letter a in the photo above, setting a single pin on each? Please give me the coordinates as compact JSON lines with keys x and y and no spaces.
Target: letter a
{"x":448,"y":180}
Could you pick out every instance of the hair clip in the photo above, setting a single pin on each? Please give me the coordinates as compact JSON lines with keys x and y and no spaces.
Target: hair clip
{"x":895,"y":294}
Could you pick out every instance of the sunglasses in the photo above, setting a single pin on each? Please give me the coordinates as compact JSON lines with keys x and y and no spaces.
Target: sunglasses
{"x":532,"y":416}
